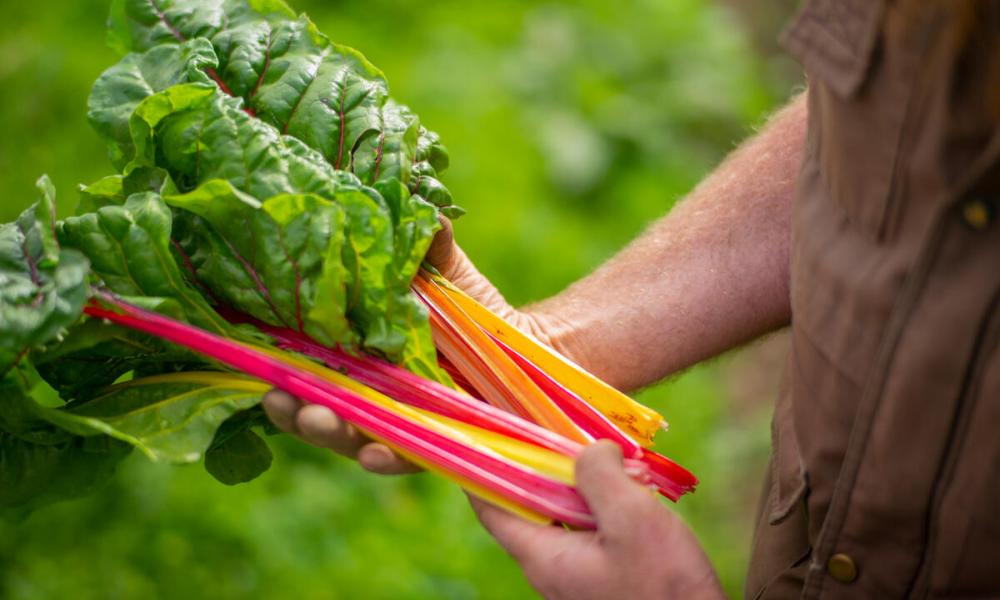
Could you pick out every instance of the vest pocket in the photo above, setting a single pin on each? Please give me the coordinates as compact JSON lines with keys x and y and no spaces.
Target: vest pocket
{"x":859,"y":90}
{"x":835,"y":40}
{"x":781,"y":539}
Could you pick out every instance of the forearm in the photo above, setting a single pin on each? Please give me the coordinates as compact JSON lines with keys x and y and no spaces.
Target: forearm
{"x":711,"y":275}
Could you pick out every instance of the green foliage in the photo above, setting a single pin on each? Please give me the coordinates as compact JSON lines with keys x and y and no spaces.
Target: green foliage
{"x":42,"y":289}
{"x":321,"y":253}
{"x":129,"y":249}
{"x":269,"y":104}
{"x":301,"y":283}
{"x":242,"y":457}
{"x":538,"y":103}
{"x":44,"y":463}
{"x":168,"y":417}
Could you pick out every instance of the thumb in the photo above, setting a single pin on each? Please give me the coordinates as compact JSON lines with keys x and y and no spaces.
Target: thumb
{"x":619,"y":504}
{"x":442,"y":252}
{"x":522,"y":539}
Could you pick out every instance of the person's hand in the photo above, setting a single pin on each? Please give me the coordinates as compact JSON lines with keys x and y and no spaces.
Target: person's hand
{"x":321,"y":427}
{"x":639,"y":550}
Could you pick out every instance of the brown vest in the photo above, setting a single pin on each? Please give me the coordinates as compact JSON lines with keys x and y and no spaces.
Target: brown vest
{"x":885,"y":473}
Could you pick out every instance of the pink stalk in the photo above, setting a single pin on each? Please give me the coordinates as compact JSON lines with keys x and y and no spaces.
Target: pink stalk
{"x":409,"y":388}
{"x":527,"y":488}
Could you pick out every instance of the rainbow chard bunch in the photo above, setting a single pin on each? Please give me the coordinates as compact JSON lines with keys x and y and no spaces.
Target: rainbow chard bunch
{"x":265,"y":227}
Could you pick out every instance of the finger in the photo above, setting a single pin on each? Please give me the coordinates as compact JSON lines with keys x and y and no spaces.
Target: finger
{"x":282,"y":408}
{"x":619,"y":504}
{"x":442,"y":248}
{"x":319,"y":426}
{"x":378,"y":458}
{"x":521,"y":538}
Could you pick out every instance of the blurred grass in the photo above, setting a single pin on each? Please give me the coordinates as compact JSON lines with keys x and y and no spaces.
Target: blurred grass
{"x":571,"y":126}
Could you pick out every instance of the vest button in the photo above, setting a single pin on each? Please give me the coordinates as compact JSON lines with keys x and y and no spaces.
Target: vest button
{"x":977,"y":213}
{"x":842,"y":568}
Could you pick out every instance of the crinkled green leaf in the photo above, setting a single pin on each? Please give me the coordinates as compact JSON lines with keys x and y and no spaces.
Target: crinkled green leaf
{"x":42,"y":287}
{"x":143,"y":24}
{"x":121,"y":88}
{"x":414,"y":224}
{"x":200,"y":135}
{"x":129,"y":247}
{"x":392,"y":151}
{"x":279,"y":261}
{"x":108,"y":191}
{"x":168,"y":417}
{"x":285,"y":72}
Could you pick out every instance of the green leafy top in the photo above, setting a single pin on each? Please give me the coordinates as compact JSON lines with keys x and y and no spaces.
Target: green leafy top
{"x":263,"y":172}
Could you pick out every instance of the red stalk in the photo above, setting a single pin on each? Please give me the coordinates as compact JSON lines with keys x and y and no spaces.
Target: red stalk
{"x":458,"y":377}
{"x":671,"y":479}
{"x":584,"y":415}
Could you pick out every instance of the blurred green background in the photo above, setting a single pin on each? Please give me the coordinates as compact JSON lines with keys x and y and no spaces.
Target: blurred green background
{"x":571,"y":125}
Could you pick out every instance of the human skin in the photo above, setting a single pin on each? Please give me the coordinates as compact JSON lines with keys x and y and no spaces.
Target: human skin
{"x":709,"y":276}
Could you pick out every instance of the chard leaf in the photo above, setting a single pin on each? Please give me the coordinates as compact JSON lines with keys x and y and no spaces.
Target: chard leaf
{"x":198,"y":134}
{"x":167,"y":417}
{"x":284,"y":72}
{"x":95,"y":354}
{"x":129,"y":248}
{"x":118,"y":91}
{"x":108,"y":191}
{"x":241,"y":457}
{"x":41,"y":463}
{"x":279,"y":261}
{"x":414,"y":222}
{"x":143,"y":24}
{"x":34,"y":475}
{"x":392,"y":151}
{"x":202,"y":135}
{"x":42,"y":287}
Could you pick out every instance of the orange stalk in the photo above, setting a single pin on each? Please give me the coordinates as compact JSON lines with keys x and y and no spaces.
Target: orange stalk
{"x":496,"y":376}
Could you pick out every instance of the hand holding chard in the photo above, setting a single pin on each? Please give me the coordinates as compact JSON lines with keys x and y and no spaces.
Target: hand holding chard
{"x":271,"y":211}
